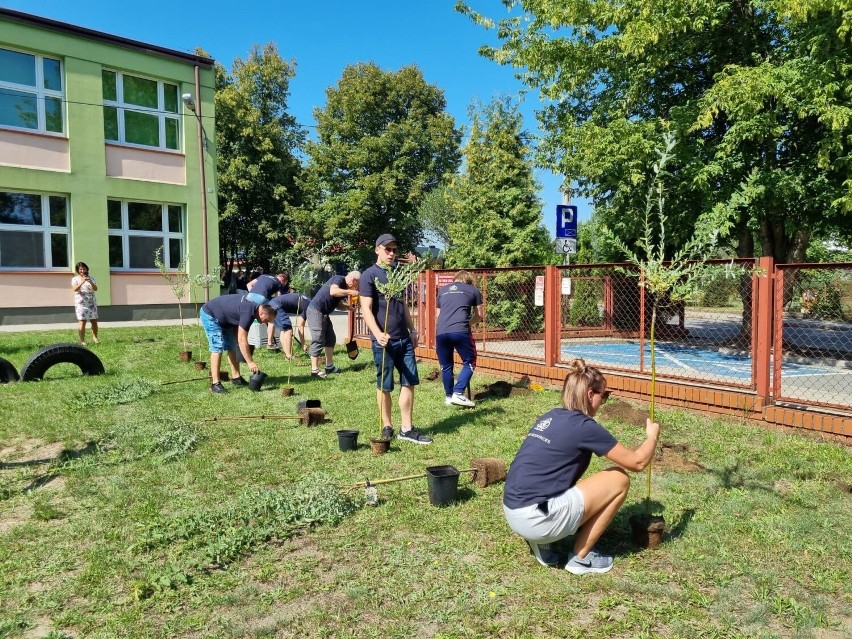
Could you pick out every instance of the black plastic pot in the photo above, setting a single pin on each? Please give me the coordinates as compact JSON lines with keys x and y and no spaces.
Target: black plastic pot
{"x":256,"y":381}
{"x":347,"y":440}
{"x":443,"y":484}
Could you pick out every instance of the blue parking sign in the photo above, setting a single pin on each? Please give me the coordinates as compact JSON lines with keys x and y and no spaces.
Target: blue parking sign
{"x":566,"y":220}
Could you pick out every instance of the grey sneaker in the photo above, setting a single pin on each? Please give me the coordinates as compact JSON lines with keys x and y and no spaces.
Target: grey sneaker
{"x":414,"y":436}
{"x":318,"y":374}
{"x":593,"y":562}
{"x":218,"y":388}
{"x":387,"y":432}
{"x":545,"y":554}
{"x":239,"y":381}
{"x":332,"y":369}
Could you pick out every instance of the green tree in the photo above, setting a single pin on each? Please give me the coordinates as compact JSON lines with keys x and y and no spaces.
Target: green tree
{"x":257,"y":164}
{"x":756,"y":90}
{"x":496,"y":218}
{"x":384,"y":140}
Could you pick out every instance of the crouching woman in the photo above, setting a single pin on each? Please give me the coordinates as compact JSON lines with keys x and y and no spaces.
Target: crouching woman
{"x":546,"y":500}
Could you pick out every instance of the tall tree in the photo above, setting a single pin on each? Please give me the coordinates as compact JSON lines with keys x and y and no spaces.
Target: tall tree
{"x":258,"y":143}
{"x":384,"y":141}
{"x":758,"y":91}
{"x":496,"y":217}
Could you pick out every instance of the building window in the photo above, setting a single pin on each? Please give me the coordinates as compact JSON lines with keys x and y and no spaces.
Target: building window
{"x":140,"y":111}
{"x":138,"y":229}
{"x":31,"y":92}
{"x":33,"y":230}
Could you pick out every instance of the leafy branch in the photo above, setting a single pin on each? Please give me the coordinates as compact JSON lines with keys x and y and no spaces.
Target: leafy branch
{"x":178,"y":281}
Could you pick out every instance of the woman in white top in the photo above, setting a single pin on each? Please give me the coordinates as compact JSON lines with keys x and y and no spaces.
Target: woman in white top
{"x":85,"y":306}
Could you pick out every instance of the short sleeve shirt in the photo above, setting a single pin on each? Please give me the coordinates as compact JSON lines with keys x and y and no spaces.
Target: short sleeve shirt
{"x":232,"y":310}
{"x":266,"y":286}
{"x":455,"y":301}
{"x":324,"y":301}
{"x":291,"y":303}
{"x":397,"y":326}
{"x":555,"y":454}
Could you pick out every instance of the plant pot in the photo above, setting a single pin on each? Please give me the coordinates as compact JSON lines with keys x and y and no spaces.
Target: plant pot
{"x":347,"y":440}
{"x":443,"y":484}
{"x":256,"y":381}
{"x":200,"y":366}
{"x":185,"y":356}
{"x":309,"y":403}
{"x":380,"y":445}
{"x":352,"y":350}
{"x":287,"y":391}
{"x":647,"y":530}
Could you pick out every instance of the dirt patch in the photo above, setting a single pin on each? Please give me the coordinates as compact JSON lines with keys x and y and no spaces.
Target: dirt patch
{"x":15,"y":517}
{"x":501,"y":390}
{"x":30,"y":451}
{"x":677,"y":457}
{"x":624,"y":412}
{"x":433,"y":374}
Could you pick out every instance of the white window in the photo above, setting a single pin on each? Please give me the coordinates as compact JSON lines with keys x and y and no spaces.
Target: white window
{"x":140,"y":111}
{"x":33,"y":230}
{"x":138,"y":229}
{"x":31,"y":92}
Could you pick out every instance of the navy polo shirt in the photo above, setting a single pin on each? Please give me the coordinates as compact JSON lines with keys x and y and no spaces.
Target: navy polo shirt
{"x":291,"y":304}
{"x":455,"y":301}
{"x":397,"y":327}
{"x":231,"y":310}
{"x":324,"y":301}
{"x":555,"y":454}
{"x":267,"y":286}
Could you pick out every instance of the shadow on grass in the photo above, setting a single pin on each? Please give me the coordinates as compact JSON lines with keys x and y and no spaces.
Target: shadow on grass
{"x":53,"y":471}
{"x":460,"y":418}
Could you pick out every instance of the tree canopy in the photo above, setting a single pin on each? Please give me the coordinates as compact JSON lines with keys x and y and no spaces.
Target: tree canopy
{"x":758,"y":92}
{"x":384,"y":140}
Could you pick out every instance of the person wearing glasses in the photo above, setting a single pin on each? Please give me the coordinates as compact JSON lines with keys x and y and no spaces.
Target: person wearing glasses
{"x":393,"y":343}
{"x":546,"y":500}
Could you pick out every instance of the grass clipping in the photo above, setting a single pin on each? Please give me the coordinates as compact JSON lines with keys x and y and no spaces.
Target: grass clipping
{"x":215,"y":537}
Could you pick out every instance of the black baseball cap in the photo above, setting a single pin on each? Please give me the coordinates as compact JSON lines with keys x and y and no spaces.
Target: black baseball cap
{"x":385,"y":239}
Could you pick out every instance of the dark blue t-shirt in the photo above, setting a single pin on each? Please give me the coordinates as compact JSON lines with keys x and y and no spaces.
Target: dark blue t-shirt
{"x":455,"y":301}
{"x":291,"y":303}
{"x":231,"y":311}
{"x":324,"y":301}
{"x":397,"y":327}
{"x":553,"y":457}
{"x":267,"y":286}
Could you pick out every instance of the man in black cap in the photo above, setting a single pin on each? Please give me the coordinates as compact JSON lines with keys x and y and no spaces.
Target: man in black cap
{"x":395,"y":339}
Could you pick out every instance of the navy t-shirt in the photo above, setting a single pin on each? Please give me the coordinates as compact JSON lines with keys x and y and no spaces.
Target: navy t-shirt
{"x":324,"y":301}
{"x":455,"y":301}
{"x":231,"y":310}
{"x":291,"y":303}
{"x":267,"y":286}
{"x":553,"y":457}
{"x":397,"y":327}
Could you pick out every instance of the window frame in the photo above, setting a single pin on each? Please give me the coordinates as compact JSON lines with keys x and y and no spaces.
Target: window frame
{"x":165,"y":234}
{"x":47,"y":230}
{"x":39,"y":92}
{"x":160,"y":112}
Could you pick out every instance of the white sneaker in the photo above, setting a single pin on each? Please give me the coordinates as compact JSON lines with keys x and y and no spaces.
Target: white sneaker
{"x":448,"y":400}
{"x":460,"y":400}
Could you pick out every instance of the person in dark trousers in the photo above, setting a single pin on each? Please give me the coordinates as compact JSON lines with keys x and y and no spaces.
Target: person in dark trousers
{"x":262,"y":289}
{"x":395,"y":339}
{"x":459,"y":306}
{"x":286,"y":305}
{"x":331,"y":296}
{"x":226,"y":321}
{"x":546,"y":500}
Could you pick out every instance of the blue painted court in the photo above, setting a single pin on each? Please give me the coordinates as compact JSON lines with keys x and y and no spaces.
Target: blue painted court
{"x":691,"y":360}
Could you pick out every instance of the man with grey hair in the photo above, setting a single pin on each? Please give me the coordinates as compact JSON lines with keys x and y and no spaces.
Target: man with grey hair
{"x":332,"y":295}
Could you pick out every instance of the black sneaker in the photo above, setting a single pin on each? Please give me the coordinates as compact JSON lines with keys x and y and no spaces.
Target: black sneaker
{"x":545,"y":554}
{"x":318,"y":374}
{"x":387,"y":432}
{"x":414,"y":436}
{"x":218,"y":388}
{"x":239,"y":381}
{"x":331,"y":369}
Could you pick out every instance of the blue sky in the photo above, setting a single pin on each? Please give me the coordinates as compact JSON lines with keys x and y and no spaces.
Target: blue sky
{"x":323,"y":38}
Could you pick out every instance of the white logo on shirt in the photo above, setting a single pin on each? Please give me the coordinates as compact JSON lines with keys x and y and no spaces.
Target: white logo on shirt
{"x":454,"y":287}
{"x":543,"y":424}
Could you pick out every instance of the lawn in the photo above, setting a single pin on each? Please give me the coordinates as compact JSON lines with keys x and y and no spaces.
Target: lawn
{"x":124,"y":514}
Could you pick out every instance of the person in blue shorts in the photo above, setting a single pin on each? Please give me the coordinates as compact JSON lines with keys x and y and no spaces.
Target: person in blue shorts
{"x":395,"y":339}
{"x":546,"y":500}
{"x":226,"y":321}
{"x":334,"y":294}
{"x":262,"y":289}
{"x":459,"y":306}
{"x":286,"y":305}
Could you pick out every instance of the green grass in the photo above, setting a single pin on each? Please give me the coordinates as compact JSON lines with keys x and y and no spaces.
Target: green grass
{"x":132,"y":517}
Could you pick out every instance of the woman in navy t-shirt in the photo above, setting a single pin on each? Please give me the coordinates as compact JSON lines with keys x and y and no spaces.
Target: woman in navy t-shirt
{"x":545,"y":500}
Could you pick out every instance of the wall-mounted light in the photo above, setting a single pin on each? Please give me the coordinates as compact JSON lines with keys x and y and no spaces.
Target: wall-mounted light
{"x":188,"y":102}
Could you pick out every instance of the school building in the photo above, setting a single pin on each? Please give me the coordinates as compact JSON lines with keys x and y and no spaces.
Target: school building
{"x":106,"y":154}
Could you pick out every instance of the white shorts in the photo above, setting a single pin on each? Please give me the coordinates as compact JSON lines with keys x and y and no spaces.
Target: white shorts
{"x":561,"y":519}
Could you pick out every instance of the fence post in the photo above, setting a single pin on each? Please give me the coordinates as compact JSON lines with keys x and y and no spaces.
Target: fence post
{"x":763,"y":326}
{"x":429,"y":310}
{"x":552,"y":315}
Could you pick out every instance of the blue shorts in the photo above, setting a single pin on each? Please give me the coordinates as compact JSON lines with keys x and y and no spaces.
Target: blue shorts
{"x":220,"y":339}
{"x":257,"y":298}
{"x":282,"y":322}
{"x":399,"y":355}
